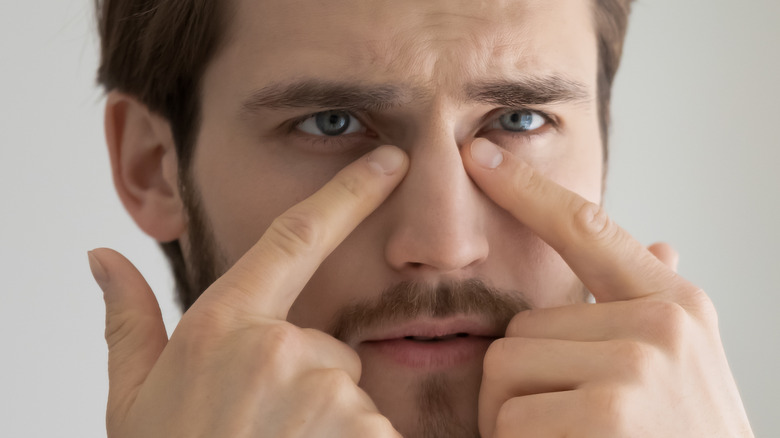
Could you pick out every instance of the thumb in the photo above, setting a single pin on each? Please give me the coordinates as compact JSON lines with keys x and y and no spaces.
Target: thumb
{"x":135,"y":332}
{"x":666,"y":254}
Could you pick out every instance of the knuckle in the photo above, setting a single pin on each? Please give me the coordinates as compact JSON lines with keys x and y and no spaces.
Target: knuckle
{"x":698,"y":297}
{"x":350,"y":187}
{"x":119,"y":327}
{"x":272,"y":348}
{"x":279,"y":339}
{"x":269,"y":352}
{"x":295,"y":231}
{"x":666,"y":322}
{"x":129,"y":326}
{"x":347,"y":356}
{"x":699,"y":302}
{"x":336,"y":379}
{"x":634,"y":359}
{"x":526,"y":179}
{"x":591,"y":221}
{"x":334,"y":385}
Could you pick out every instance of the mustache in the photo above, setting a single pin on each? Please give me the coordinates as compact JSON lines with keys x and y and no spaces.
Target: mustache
{"x":408,"y":300}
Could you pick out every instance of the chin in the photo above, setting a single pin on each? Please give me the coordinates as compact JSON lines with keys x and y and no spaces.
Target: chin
{"x":425,"y":402}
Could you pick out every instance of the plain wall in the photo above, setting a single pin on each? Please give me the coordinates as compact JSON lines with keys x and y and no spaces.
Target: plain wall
{"x":695,"y":155}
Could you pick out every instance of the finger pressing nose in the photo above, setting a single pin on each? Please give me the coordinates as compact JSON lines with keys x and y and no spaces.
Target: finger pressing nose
{"x":611,"y":263}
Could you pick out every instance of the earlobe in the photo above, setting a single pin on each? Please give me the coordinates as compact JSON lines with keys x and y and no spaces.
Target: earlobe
{"x":144,"y":166}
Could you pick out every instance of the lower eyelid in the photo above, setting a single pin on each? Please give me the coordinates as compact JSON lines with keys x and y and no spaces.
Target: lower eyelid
{"x":363,"y":133}
{"x":502,"y":136}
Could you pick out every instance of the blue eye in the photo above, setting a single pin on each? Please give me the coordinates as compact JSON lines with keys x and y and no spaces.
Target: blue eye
{"x":330,"y":123}
{"x":520,"y":121}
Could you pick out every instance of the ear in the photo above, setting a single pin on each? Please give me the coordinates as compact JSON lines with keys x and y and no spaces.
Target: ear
{"x":144,"y":166}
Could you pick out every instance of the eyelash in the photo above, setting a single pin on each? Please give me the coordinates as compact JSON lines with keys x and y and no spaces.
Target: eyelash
{"x":339,"y":141}
{"x":320,"y":141}
{"x":549,"y":120}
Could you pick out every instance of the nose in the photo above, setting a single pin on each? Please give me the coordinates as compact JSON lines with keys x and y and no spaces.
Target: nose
{"x":438,"y":223}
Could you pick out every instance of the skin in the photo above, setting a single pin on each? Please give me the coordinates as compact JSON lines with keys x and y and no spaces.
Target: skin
{"x":293,"y":258}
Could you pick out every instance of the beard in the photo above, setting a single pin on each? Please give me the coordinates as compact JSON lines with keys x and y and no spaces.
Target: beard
{"x":437,"y":416}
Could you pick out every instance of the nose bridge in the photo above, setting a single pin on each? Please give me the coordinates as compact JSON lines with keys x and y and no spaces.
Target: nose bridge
{"x":439,"y":223}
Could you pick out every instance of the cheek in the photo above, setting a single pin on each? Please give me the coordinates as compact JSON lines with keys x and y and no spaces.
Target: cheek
{"x":581,"y":177}
{"x":245,"y":185}
{"x":578,"y":166}
{"x":521,"y":261}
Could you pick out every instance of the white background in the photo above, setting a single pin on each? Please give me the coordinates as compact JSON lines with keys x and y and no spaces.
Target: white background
{"x":695,"y":157}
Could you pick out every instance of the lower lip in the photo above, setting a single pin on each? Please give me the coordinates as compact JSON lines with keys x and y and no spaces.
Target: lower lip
{"x":429,"y":355}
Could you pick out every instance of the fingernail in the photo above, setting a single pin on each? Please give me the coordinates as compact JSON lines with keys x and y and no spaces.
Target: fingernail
{"x":98,"y":270}
{"x":386,"y":159}
{"x":486,"y":154}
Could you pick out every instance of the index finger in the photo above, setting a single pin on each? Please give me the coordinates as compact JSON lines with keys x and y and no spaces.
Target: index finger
{"x":269,"y":277}
{"x":611,"y":263}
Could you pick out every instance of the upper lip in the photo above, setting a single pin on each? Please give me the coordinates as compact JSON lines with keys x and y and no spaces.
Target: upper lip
{"x":429,"y":327}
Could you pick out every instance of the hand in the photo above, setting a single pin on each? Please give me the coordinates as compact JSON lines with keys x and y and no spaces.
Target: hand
{"x":234,"y":367}
{"x":645,"y":361}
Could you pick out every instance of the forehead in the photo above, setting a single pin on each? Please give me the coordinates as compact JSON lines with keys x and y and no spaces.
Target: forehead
{"x":440,"y":44}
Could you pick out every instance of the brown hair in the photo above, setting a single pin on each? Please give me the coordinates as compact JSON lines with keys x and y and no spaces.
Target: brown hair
{"x":158,"y":50}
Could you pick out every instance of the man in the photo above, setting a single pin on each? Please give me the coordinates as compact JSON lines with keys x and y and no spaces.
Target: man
{"x":393,"y":209}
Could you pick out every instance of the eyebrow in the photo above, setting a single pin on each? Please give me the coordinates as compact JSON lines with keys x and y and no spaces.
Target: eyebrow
{"x":531,"y":90}
{"x":314,"y":93}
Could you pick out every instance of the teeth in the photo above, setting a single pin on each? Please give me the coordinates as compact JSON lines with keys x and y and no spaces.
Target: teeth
{"x":436,"y":338}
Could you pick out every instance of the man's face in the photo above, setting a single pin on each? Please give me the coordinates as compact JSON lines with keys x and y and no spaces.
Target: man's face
{"x":427,"y":77}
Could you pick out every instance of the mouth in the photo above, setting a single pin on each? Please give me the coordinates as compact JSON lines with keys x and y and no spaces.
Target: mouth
{"x":436,"y":338}
{"x":430,"y":344}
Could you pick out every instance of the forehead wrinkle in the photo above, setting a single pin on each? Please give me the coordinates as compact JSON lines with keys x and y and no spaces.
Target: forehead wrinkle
{"x":498,"y":71}
{"x":441,"y":59}
{"x":441,"y":51}
{"x":426,"y":44}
